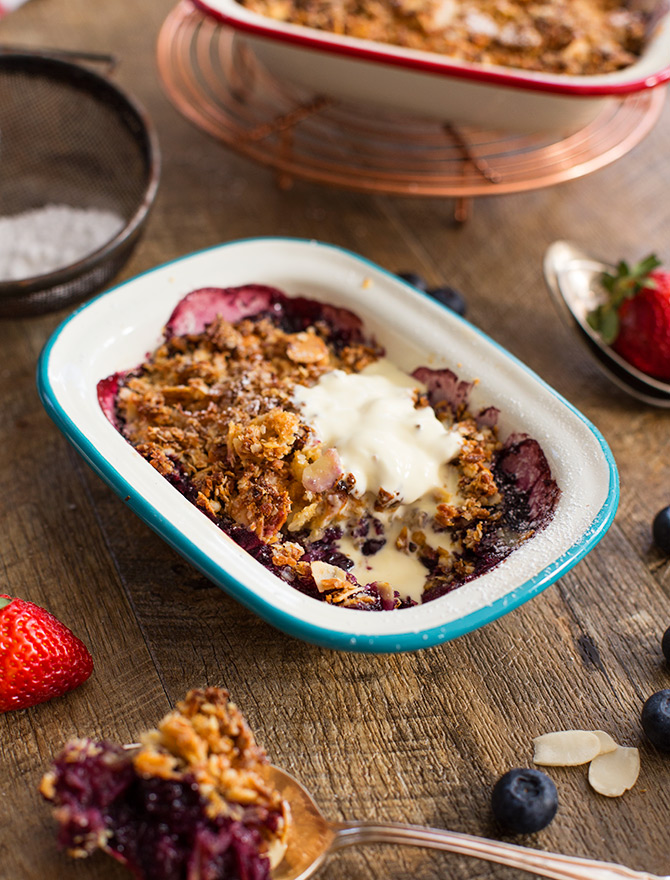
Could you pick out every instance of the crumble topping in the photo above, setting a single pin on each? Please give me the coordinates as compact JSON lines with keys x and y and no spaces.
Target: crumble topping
{"x":208,"y":738}
{"x":191,"y":800}
{"x":220,"y":406}
{"x":574,"y":37}
{"x":245,"y":416}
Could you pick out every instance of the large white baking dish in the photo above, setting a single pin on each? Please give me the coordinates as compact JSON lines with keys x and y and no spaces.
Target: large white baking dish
{"x":115,"y":331}
{"x":427,"y":84}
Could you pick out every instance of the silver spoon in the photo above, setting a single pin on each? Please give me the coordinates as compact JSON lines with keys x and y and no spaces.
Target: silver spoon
{"x":312,"y":837}
{"x":572,"y":277}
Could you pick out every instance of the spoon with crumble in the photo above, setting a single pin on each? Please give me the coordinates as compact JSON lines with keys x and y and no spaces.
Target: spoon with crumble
{"x":312,"y":837}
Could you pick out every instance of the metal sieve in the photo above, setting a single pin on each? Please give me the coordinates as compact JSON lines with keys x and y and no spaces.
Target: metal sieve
{"x":68,"y":136}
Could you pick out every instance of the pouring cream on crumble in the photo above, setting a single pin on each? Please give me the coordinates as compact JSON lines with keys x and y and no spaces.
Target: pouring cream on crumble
{"x":391,"y":566}
{"x":381,"y":438}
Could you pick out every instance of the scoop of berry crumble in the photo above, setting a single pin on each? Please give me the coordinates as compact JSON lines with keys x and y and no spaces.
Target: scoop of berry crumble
{"x":190,"y":803}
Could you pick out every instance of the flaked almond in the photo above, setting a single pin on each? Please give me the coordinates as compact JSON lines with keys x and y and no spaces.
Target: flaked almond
{"x":323,"y":473}
{"x":607,"y":744}
{"x":328,"y":577}
{"x":615,"y":772}
{"x":307,"y":348}
{"x":276,"y":851}
{"x":566,"y":748}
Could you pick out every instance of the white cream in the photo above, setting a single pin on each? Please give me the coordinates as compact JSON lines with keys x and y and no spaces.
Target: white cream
{"x":381,"y":438}
{"x":403,"y":571}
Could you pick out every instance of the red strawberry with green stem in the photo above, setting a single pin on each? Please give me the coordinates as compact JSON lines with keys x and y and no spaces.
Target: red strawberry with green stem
{"x":39,"y":657}
{"x":635,"y":319}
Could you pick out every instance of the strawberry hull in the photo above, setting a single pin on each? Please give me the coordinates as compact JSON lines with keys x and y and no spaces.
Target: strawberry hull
{"x":635,"y":318}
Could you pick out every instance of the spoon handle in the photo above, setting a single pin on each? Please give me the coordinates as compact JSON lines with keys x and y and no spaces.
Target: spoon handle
{"x":545,"y":864}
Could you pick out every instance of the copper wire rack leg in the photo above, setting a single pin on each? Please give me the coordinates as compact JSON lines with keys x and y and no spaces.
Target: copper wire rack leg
{"x":214,"y":80}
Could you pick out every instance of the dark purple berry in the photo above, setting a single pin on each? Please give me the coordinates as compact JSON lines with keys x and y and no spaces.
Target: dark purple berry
{"x":661,"y":530}
{"x":450,"y":298}
{"x":656,"y":719}
{"x":157,"y":827}
{"x":524,"y":801}
{"x":414,"y":279}
{"x":665,"y":644}
{"x":372,"y":546}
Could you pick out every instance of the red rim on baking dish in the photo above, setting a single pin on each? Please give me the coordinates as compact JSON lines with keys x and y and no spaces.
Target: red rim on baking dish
{"x":651,"y":70}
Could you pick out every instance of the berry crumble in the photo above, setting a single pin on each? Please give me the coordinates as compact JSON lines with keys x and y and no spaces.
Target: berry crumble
{"x":355,"y":483}
{"x":189,"y":801}
{"x":574,"y":37}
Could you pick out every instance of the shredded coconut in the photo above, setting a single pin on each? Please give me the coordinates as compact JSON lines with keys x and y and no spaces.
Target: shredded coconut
{"x":45,"y":239}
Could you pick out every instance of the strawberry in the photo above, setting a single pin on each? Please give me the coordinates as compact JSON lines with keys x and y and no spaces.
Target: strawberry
{"x":635,"y":319}
{"x":39,"y":657}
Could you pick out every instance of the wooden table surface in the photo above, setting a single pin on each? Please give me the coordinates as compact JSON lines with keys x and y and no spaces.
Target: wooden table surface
{"x":420,"y":737}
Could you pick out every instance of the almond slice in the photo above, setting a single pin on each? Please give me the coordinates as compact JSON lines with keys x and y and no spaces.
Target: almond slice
{"x":323,"y":473}
{"x":615,"y":772}
{"x":566,"y":748}
{"x":607,"y":744}
{"x":328,"y":577}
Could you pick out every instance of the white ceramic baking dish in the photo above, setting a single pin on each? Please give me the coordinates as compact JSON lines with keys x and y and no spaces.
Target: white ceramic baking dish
{"x":430,"y":85}
{"x":115,"y":331}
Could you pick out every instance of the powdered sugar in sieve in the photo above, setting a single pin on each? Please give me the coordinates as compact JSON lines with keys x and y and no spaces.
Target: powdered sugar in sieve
{"x":45,"y":239}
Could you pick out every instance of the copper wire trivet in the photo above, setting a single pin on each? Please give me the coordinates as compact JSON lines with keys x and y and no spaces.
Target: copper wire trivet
{"x":215,"y":81}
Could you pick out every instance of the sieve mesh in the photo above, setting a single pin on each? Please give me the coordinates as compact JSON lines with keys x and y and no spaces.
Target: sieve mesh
{"x":68,"y":136}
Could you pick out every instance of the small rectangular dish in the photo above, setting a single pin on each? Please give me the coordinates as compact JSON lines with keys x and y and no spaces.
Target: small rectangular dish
{"x":115,"y":331}
{"x":427,"y":84}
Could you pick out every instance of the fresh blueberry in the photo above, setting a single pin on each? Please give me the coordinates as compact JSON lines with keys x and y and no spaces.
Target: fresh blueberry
{"x":661,"y":530}
{"x":524,"y":801}
{"x":414,"y":279}
{"x":656,"y":719}
{"x":450,"y":298}
{"x":665,"y":644}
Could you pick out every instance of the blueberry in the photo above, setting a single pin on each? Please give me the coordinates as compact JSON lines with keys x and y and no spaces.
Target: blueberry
{"x":524,"y":801}
{"x":450,"y":298}
{"x":656,"y":719}
{"x":414,"y":279}
{"x":372,"y":546}
{"x":661,"y":530}
{"x":665,"y":644}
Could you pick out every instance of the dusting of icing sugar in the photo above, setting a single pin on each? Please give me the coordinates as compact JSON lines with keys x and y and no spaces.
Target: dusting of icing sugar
{"x":480,"y":23}
{"x":45,"y":239}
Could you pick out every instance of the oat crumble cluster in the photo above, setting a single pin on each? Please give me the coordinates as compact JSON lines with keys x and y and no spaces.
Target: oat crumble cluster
{"x":218,"y":404}
{"x":213,"y":411}
{"x":191,"y":801}
{"x":574,"y":37}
